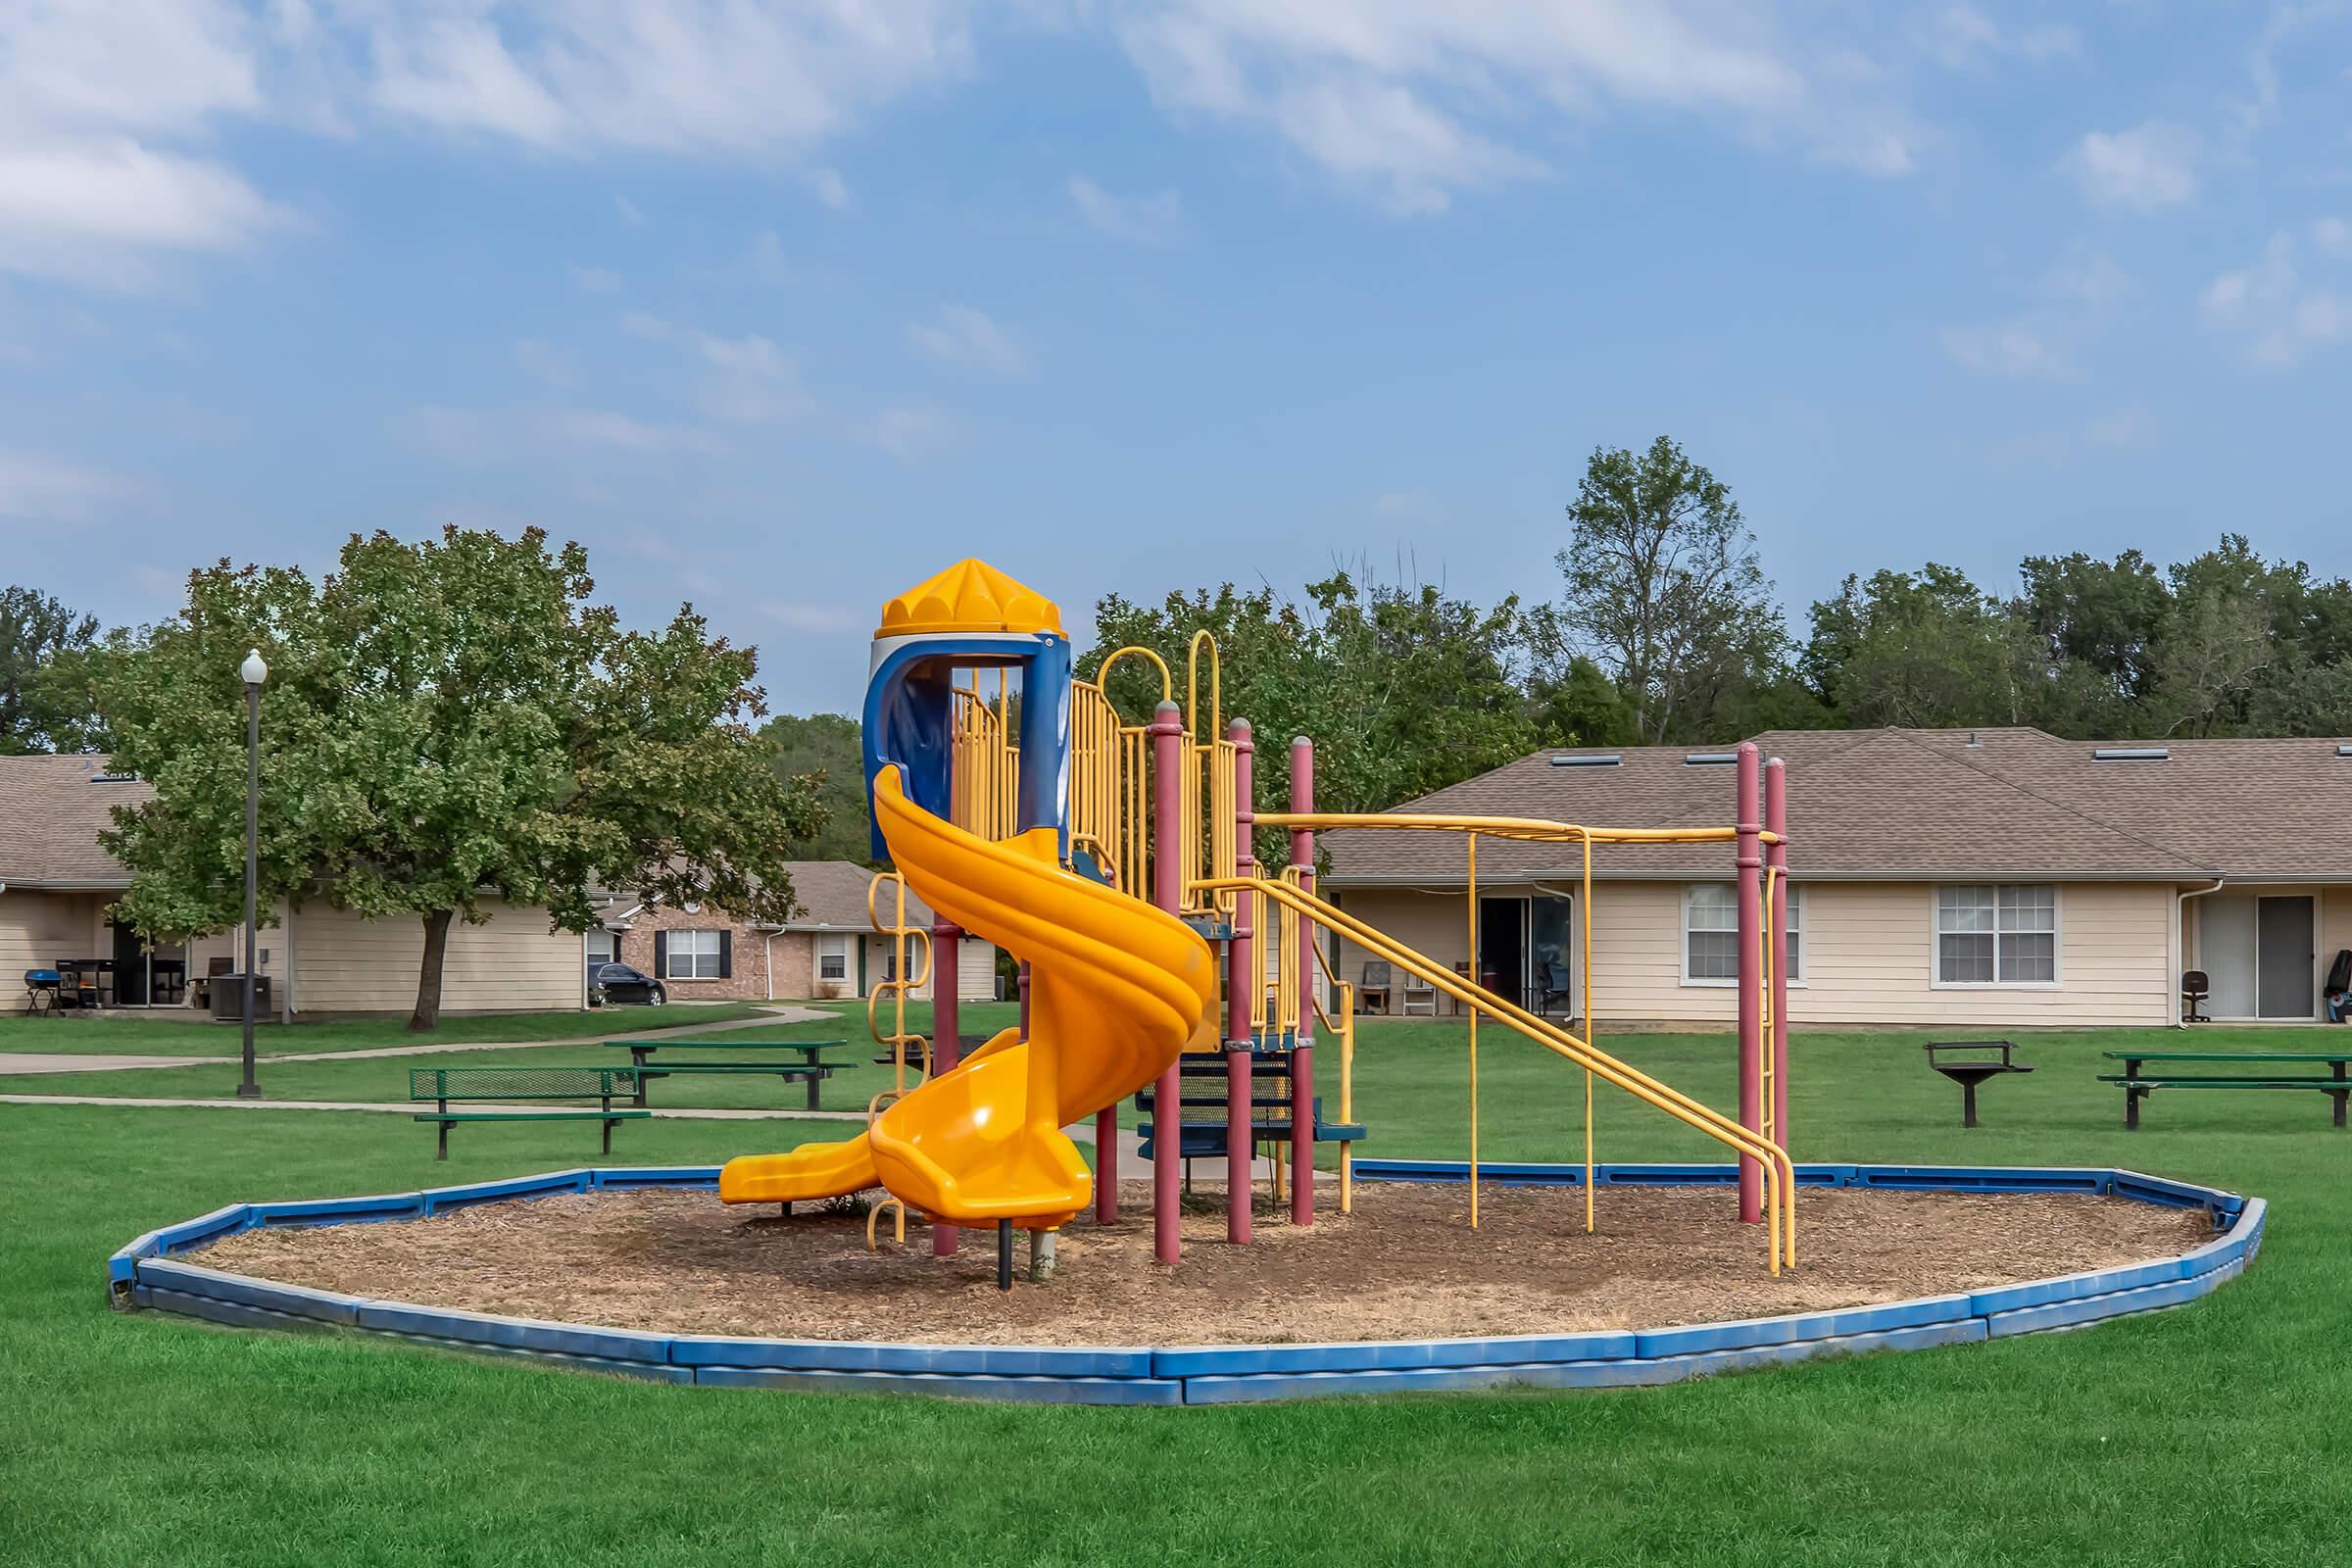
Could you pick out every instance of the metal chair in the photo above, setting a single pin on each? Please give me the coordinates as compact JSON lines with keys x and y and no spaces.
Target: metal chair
{"x":2195,"y":987}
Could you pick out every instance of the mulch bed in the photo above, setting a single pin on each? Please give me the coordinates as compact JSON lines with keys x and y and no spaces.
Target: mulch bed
{"x":1405,"y":1265}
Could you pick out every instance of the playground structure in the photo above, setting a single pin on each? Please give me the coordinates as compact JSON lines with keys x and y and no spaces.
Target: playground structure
{"x":1118,"y":861}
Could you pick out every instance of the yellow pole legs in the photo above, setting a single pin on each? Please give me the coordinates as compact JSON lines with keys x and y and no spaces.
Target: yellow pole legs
{"x":1476,"y":974}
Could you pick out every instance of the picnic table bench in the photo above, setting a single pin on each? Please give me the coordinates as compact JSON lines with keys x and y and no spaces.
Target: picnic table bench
{"x":443,"y":1084}
{"x":2137,"y":1083}
{"x":812,"y":1068}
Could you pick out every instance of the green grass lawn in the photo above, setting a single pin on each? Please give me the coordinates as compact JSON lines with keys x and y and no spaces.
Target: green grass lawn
{"x":198,"y":1036}
{"x":2212,"y":1434}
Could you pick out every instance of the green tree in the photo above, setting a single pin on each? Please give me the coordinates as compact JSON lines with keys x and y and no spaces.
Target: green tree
{"x":47,"y":656}
{"x":1663,"y":587}
{"x":1402,"y":689}
{"x":825,"y":748}
{"x":2104,"y":616}
{"x":445,"y":723}
{"x":1927,"y":649}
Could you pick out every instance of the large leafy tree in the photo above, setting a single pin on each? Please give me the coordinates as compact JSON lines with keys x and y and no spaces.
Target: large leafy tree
{"x":1403,"y":689}
{"x":47,"y":654}
{"x":1664,"y":588}
{"x":1925,"y":649}
{"x":445,"y":723}
{"x":828,"y":749}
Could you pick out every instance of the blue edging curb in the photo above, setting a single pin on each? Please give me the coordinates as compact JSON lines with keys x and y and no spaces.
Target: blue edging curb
{"x":150,"y":1273}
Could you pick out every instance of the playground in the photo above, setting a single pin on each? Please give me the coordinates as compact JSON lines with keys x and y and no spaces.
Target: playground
{"x":1173,"y":978}
{"x":1401,"y":1265}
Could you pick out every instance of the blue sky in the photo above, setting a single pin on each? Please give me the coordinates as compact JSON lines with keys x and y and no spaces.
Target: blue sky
{"x":781,"y":307}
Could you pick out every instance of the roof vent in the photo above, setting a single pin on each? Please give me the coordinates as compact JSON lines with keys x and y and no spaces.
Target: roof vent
{"x":2131,"y":753}
{"x":2343,"y":751}
{"x":114,"y":778}
{"x":1974,"y":740}
{"x":1710,"y":758}
{"x":1587,"y":760}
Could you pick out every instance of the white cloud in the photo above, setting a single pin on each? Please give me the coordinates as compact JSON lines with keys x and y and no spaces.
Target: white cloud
{"x":1139,"y":221}
{"x":2126,"y":427}
{"x":545,"y":362}
{"x":2333,"y":236}
{"x":746,"y":380}
{"x":1961,"y":35}
{"x":487,"y":435}
{"x":910,"y":433}
{"x":964,"y":336}
{"x":736,"y":77}
{"x":112,"y":111}
{"x":596,"y":280}
{"x":2013,"y":350}
{"x":830,"y":188}
{"x":628,"y":210}
{"x":94,"y":211}
{"x":38,"y":487}
{"x":2276,"y":313}
{"x":2092,"y":280}
{"x":1415,"y":102}
{"x":2149,"y":167}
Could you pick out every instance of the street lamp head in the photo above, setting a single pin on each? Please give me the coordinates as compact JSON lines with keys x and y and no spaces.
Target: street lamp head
{"x":253,"y":669}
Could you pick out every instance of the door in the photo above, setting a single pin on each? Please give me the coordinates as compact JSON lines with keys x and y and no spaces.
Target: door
{"x":2282,"y":957}
{"x":130,"y":967}
{"x":2256,"y":951}
{"x":1502,"y":948}
{"x":1551,"y":962}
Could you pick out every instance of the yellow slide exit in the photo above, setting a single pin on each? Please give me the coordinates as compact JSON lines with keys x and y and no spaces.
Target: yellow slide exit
{"x":1116,"y":987}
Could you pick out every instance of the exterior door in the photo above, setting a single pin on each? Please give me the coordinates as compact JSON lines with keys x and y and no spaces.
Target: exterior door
{"x":2282,"y":957}
{"x":130,"y":967}
{"x":1551,"y":957}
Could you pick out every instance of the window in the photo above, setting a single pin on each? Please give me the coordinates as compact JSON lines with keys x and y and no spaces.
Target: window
{"x":694,"y":954}
{"x":832,"y":958}
{"x":601,"y":948}
{"x":1996,"y":936}
{"x":1711,"y":935}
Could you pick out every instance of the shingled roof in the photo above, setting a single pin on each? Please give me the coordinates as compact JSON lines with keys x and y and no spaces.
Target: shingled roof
{"x":52,"y":809}
{"x":2007,"y":802}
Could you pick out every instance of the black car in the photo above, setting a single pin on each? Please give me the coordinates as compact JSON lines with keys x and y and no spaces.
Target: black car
{"x":621,"y":983}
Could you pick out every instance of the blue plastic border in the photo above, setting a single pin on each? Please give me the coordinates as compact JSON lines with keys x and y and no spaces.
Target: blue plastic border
{"x":154,"y":1272}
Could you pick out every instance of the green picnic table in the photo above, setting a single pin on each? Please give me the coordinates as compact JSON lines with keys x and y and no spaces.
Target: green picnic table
{"x":2138,"y":1083}
{"x":812,"y":1068}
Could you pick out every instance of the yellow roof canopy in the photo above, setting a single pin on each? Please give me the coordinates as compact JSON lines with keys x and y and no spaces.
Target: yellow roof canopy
{"x":972,"y":596}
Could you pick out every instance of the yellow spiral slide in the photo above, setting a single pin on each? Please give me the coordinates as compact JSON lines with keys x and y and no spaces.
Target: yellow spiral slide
{"x":1116,"y":987}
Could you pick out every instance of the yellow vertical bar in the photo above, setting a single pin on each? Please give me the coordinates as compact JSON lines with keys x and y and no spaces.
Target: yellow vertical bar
{"x":1591,"y":1025}
{"x":1477,"y":975}
{"x":1347,"y":1095}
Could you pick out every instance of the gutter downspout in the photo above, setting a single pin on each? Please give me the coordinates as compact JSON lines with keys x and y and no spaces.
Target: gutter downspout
{"x":767,"y":950}
{"x":2180,"y":942}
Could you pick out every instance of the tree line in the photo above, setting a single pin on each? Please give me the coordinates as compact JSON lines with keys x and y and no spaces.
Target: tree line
{"x":1661,"y":628}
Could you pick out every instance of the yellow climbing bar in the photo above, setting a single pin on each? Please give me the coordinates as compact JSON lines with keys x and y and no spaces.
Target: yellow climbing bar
{"x":1780,"y":1173}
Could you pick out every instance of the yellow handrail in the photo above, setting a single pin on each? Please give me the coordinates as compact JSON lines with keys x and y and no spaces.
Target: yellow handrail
{"x":1529,"y":828}
{"x":1344,"y":1029}
{"x":1780,"y":1186}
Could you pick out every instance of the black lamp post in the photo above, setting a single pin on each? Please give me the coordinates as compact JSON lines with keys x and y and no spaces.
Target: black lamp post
{"x":254,"y":672}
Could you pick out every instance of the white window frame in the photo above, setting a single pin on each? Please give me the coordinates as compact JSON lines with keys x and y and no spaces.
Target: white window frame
{"x":2057,"y":936}
{"x":612,"y":940}
{"x":832,"y":948}
{"x":695,"y":941}
{"x":1797,"y":929}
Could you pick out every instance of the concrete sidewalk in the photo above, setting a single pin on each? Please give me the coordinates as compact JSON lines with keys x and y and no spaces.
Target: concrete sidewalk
{"x":1132,"y":1164}
{"x":30,"y":1064}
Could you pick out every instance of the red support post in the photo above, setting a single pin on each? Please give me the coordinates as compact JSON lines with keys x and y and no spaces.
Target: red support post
{"x":1776,"y":855}
{"x":1302,"y":1055}
{"x":1167,"y":892}
{"x":945,"y":950}
{"x":1241,"y":1149}
{"x":1747,"y":869}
